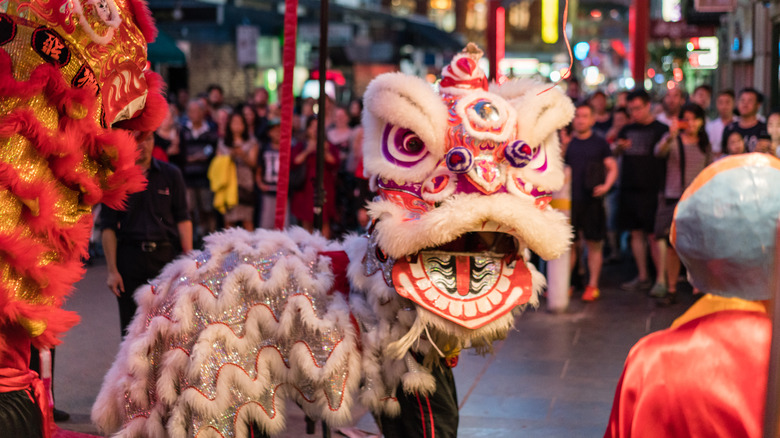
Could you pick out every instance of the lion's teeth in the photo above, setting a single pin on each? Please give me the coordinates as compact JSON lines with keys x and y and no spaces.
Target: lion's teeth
{"x":503,"y":284}
{"x":495,"y":297}
{"x":456,"y":308}
{"x":507,"y":269}
{"x":442,"y":302}
{"x":417,"y":269}
{"x":484,"y":306}
{"x":423,"y":283}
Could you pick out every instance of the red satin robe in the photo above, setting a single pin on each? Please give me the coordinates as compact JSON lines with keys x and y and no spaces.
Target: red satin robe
{"x":706,"y":377}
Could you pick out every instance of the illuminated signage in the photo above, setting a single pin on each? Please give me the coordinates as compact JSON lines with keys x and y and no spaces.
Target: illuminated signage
{"x":703,"y":52}
{"x":550,"y":21}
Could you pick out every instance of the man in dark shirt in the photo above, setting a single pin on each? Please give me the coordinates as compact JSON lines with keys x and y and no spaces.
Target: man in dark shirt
{"x":747,"y":124}
{"x":603,"y":117}
{"x":151,"y":232}
{"x":641,"y":177}
{"x":593,"y":172}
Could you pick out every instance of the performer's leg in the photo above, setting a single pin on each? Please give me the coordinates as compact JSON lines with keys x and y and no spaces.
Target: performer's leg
{"x":426,"y":416}
{"x":136,"y":268}
{"x":19,"y":415}
{"x":131,"y":265}
{"x":35,"y":364}
{"x":255,"y":432}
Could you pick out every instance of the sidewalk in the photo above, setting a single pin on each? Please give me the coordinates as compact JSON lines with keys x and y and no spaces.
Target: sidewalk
{"x":554,"y":376}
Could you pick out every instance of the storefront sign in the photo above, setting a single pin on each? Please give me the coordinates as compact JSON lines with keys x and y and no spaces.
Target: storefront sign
{"x":662,"y":29}
{"x":715,"y":5}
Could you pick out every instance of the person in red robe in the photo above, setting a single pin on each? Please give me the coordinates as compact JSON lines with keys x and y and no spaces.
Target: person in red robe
{"x":706,"y":375}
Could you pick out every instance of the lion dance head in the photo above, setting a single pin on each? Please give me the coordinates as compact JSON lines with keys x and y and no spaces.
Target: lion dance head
{"x":465,"y":177}
{"x":71,"y":71}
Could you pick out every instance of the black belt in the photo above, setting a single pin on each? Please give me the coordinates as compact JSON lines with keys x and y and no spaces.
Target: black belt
{"x":147,"y":245}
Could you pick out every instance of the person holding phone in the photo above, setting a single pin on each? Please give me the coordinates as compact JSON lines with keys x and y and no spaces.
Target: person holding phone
{"x":687,"y":151}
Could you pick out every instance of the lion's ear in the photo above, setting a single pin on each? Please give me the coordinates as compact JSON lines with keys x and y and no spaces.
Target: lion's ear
{"x":398,"y":107}
{"x":541,"y":110}
{"x":408,"y":102}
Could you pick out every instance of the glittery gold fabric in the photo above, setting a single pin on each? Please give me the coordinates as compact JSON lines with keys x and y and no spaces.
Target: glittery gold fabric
{"x":57,"y":158}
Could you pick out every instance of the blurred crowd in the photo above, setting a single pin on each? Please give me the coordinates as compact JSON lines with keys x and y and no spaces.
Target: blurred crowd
{"x":653,"y":146}
{"x":202,"y":134}
{"x":631,"y":157}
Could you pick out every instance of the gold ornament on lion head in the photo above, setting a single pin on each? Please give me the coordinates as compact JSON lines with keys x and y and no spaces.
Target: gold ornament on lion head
{"x":111,"y":37}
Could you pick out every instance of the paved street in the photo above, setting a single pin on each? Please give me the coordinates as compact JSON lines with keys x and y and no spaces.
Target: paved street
{"x":554,"y":376}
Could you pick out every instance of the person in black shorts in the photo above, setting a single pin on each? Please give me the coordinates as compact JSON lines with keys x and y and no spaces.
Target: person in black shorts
{"x":641,"y":178}
{"x":593,"y":172}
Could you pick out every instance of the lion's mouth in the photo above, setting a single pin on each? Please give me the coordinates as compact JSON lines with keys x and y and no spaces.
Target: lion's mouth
{"x":472,"y":280}
{"x":491,"y":242}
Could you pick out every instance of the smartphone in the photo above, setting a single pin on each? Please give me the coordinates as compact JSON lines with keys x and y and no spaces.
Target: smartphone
{"x":682,"y":125}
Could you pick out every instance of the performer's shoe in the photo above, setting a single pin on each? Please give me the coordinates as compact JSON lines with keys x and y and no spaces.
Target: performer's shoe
{"x":591,"y":294}
{"x":613,"y":259}
{"x":636,"y":285}
{"x":60,"y":415}
{"x":658,"y":291}
{"x":668,"y":300}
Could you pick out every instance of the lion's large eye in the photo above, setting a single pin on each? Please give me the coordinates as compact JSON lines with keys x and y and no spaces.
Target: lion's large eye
{"x":402,"y":147}
{"x":412,"y":143}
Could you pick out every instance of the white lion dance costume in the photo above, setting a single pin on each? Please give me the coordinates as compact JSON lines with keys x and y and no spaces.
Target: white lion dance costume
{"x":464,"y":176}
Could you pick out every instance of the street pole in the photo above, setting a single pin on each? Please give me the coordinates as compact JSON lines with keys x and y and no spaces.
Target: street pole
{"x":319,"y":190}
{"x":638,"y":33}
{"x":492,"y":46}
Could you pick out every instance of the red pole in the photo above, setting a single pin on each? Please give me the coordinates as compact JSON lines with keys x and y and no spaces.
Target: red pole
{"x":639,"y":27}
{"x":492,"y":43}
{"x":287,"y":103}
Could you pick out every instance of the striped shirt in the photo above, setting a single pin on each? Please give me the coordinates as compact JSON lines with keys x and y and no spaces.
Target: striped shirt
{"x":694,"y":159}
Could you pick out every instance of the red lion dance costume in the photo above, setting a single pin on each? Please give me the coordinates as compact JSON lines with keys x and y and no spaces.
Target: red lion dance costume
{"x":70,"y":72}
